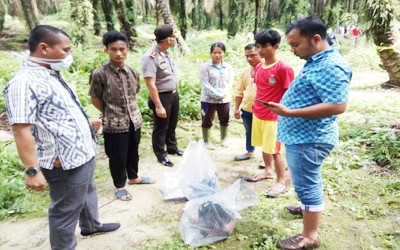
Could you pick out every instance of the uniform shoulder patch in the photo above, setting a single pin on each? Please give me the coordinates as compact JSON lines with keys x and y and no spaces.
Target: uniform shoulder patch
{"x":153,"y":55}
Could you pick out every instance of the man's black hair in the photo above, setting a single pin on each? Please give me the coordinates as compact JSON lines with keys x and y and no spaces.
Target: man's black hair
{"x":114,"y":36}
{"x":217,"y":45}
{"x":250,"y":46}
{"x":44,"y":34}
{"x":268,"y":36}
{"x":309,"y":26}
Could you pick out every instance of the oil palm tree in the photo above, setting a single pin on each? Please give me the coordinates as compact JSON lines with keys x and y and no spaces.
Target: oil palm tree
{"x":169,"y":19}
{"x":383,"y":21}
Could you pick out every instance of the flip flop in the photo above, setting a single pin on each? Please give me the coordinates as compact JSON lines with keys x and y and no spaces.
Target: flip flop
{"x":120,"y":193}
{"x":143,"y":180}
{"x":269,"y":194}
{"x":255,"y":179}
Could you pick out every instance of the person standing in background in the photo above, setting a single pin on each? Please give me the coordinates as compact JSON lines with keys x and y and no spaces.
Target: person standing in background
{"x":245,"y":94}
{"x":216,"y":78}
{"x":161,"y":78}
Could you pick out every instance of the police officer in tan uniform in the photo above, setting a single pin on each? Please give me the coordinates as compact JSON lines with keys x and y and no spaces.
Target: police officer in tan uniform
{"x":160,"y":75}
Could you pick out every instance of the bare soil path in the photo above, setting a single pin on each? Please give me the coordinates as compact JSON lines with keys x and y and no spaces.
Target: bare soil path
{"x":145,"y":217}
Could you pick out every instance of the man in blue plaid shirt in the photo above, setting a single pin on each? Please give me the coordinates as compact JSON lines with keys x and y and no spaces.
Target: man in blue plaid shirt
{"x":307,"y":121}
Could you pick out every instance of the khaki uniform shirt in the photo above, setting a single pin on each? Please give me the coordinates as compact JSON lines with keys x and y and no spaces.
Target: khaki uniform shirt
{"x":246,"y":89}
{"x":156,"y":63}
{"x":117,"y":88}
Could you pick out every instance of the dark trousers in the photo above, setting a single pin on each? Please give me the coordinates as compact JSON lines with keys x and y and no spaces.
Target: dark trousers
{"x":164,"y":128}
{"x":122,"y":151}
{"x":247,"y":122}
{"x":73,"y":197}
{"x":208,"y":113}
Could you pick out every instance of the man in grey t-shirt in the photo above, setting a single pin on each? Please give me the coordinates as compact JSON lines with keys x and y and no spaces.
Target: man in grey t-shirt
{"x":160,"y":75}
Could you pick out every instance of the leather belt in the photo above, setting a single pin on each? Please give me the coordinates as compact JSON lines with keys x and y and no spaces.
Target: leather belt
{"x":167,"y":92}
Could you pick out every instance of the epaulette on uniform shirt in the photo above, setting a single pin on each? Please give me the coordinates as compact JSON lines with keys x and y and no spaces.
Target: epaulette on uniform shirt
{"x":153,"y":55}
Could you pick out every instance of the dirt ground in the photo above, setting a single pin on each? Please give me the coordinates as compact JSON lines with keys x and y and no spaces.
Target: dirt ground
{"x":143,"y":218}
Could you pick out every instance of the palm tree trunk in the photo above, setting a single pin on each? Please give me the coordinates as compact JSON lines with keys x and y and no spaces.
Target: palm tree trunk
{"x":257,"y":19}
{"x":2,"y":14}
{"x":169,"y":19}
{"x":123,"y":20}
{"x":107,"y":7}
{"x":96,"y":17}
{"x":388,"y":42}
{"x":29,"y":13}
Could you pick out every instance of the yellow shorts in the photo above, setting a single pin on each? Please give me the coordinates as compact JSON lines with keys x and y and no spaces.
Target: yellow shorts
{"x":263,"y":133}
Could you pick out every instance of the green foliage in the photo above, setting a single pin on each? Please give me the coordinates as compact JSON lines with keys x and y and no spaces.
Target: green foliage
{"x":14,"y":197}
{"x":81,"y":16}
{"x":8,"y":66}
{"x":370,"y":136}
{"x":380,"y":13}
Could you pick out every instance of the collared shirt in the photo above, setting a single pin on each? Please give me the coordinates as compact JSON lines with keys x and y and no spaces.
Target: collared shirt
{"x":116,"y":88}
{"x":246,"y":89}
{"x":38,"y":96}
{"x":158,"y":64}
{"x":216,"y":81}
{"x":325,"y":78}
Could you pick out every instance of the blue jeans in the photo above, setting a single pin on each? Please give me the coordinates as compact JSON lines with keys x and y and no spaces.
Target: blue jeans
{"x":247,"y":121}
{"x":304,"y":161}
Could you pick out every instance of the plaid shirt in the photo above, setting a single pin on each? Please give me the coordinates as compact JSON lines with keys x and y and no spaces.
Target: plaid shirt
{"x":325,"y":78}
{"x":117,"y":88}
{"x":39,"y":96}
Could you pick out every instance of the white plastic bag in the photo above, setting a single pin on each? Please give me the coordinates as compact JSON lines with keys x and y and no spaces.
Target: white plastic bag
{"x":196,"y":176}
{"x":212,"y":218}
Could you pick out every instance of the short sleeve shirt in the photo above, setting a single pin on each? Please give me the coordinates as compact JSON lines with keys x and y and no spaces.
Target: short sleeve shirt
{"x":116,"y":88}
{"x":158,"y":64}
{"x":272,"y":82}
{"x":325,"y":78}
{"x":216,"y":81}
{"x":246,"y":88}
{"x":38,"y":96}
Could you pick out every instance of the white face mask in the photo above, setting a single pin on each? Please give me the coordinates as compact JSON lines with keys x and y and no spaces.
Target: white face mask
{"x":55,"y":64}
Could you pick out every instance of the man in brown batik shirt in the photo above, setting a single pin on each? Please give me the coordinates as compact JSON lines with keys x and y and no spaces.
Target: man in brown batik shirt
{"x":113,"y":89}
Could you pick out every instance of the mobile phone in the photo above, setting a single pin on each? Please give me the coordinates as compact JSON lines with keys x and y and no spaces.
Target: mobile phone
{"x":265,"y":103}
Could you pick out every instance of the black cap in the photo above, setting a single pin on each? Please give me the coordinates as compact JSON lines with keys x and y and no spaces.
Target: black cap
{"x":163,"y":31}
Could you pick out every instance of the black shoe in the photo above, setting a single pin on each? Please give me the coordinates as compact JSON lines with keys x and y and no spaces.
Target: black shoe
{"x":105,"y":228}
{"x":166,"y":162}
{"x":294,"y":209}
{"x":176,"y":152}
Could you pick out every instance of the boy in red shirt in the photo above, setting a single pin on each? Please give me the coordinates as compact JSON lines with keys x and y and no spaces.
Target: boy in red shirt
{"x":272,"y":78}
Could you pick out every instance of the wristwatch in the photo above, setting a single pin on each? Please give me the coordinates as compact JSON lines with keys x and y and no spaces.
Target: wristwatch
{"x":32,"y":171}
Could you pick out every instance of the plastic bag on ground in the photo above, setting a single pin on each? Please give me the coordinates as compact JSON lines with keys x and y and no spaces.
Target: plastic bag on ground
{"x":212,"y":218}
{"x":195,"y":177}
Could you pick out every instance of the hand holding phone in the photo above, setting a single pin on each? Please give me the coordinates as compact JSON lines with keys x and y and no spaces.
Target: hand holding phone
{"x":265,"y":103}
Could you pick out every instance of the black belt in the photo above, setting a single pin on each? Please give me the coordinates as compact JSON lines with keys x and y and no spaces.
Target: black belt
{"x":167,"y":92}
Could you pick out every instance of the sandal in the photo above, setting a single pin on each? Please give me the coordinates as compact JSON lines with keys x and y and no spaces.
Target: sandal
{"x":121,"y":193}
{"x":143,"y":180}
{"x":257,"y":178}
{"x":270,"y":194}
{"x":293,"y":243}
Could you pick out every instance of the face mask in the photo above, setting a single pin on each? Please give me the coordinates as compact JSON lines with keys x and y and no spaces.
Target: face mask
{"x":55,"y":64}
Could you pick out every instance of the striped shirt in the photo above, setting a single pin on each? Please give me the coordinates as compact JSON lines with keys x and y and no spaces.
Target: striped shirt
{"x":38,"y":96}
